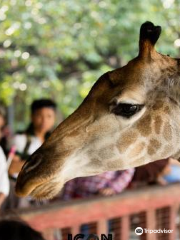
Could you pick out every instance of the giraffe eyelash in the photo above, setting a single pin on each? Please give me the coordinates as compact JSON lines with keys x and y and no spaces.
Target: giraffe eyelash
{"x":126,"y":110}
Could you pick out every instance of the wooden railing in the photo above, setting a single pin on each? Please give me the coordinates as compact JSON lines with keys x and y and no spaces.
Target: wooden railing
{"x":150,"y":208}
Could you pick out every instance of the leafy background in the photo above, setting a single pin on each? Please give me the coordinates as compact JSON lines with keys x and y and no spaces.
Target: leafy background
{"x":59,"y":48}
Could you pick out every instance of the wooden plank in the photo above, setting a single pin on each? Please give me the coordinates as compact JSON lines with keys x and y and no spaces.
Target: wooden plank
{"x":125,"y":227}
{"x":151,"y":225}
{"x":48,"y":234}
{"x":172,"y":220}
{"x":102,"y":226}
{"x":75,"y":230}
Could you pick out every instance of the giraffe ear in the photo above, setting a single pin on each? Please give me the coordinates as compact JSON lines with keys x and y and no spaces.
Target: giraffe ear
{"x":149,"y":35}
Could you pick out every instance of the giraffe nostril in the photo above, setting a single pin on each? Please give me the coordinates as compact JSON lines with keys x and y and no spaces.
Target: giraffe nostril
{"x":31,"y":163}
{"x":25,"y":165}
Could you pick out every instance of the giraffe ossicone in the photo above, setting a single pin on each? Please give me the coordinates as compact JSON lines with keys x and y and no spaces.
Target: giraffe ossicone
{"x":130,"y":117}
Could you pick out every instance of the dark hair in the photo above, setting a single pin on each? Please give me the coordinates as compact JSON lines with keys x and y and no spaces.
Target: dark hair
{"x":42,"y":103}
{"x":17,"y":230}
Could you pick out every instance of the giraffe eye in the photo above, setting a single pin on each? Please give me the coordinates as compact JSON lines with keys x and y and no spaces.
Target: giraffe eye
{"x":127,"y":110}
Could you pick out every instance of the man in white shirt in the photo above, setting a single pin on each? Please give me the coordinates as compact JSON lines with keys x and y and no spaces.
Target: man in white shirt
{"x":43,"y":113}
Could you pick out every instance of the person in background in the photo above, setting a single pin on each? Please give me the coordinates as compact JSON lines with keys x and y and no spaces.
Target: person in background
{"x":6,"y":133}
{"x":43,"y":113}
{"x":106,"y":184}
{"x":170,"y":174}
{"x":4,"y":180}
{"x":149,"y":174}
{"x":160,"y":172}
{"x":2,"y":120}
{"x":17,"y":230}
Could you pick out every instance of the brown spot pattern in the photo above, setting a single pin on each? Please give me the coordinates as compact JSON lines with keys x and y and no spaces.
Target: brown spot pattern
{"x":157,"y":124}
{"x":106,"y":152}
{"x":144,"y":126}
{"x":167,"y":131}
{"x":157,"y":105}
{"x":126,"y":140}
{"x":167,"y":110}
{"x":154,"y":146}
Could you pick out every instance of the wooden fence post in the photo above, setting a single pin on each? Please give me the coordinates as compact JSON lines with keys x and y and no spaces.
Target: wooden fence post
{"x":102,"y":227}
{"x":151,"y":224}
{"x":172,"y":220}
{"x":125,"y":228}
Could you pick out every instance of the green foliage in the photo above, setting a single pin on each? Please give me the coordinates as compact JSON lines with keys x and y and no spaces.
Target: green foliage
{"x":59,"y":48}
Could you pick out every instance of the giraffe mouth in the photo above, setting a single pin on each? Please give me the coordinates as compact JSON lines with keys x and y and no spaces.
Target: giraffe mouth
{"x":24,"y":187}
{"x":45,"y":189}
{"x":38,"y":180}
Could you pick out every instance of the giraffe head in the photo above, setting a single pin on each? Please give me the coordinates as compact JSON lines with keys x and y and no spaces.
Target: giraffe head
{"x":130,"y":117}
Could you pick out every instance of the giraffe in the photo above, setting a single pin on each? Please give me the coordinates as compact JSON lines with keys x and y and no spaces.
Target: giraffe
{"x":130,"y":117}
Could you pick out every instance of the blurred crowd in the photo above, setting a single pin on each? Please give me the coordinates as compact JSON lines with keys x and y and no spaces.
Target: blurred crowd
{"x":16,"y":148}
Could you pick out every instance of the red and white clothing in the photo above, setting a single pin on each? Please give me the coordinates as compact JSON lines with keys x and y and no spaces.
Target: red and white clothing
{"x":84,"y":187}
